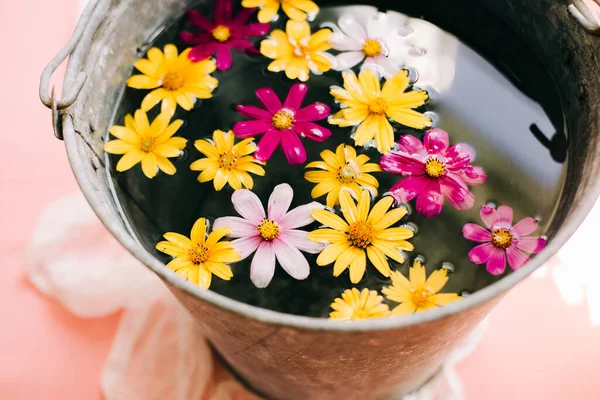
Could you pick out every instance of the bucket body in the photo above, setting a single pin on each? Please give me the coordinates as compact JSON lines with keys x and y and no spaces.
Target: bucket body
{"x":291,"y":357}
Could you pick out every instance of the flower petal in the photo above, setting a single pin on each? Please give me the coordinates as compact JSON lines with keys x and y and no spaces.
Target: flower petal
{"x":280,"y":201}
{"x":223,"y":11}
{"x":476,"y":233}
{"x":202,"y":52}
{"x":482,"y":253}
{"x":118,"y":147}
{"x":437,"y":280}
{"x":456,"y":192}
{"x":516,"y":258}
{"x":404,"y":309}
{"x":246,"y":246}
{"x":262,"y":267}
{"x":296,"y":96}
{"x":441,"y":299}
{"x":348,"y":59}
{"x":531,"y":245}
{"x":417,"y":274}
{"x":436,"y":141}
{"x":402,"y":163}
{"x":291,"y":259}
{"x":358,"y":266}
{"x":299,"y":239}
{"x":269,"y":99}
{"x":348,"y":207}
{"x":312,"y":131}
{"x":352,"y":28}
{"x":313,"y":112}
{"x":330,"y":219}
{"x":129,"y":160}
{"x":379,"y":261}
{"x":267,"y":145}
{"x":327,"y":236}
{"x":496,"y":265}
{"x":292,"y":147}
{"x":254,"y":112}
{"x":239,"y":226}
{"x":246,"y":129}
{"x":341,"y":42}
{"x":224,"y":58}
{"x":200,"y":21}
{"x":488,"y":216}
{"x":525,"y":227}
{"x":248,"y":205}
{"x":504,"y":216}
{"x":299,"y":216}
{"x":331,"y":253}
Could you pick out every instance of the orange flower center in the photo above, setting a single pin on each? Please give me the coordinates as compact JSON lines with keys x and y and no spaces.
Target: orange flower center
{"x":283,"y":120}
{"x":172,"y":81}
{"x":227,"y":160}
{"x":378,"y":106}
{"x":221,"y":33}
{"x":268,"y":230}
{"x":422,"y":297}
{"x":147,"y":144}
{"x":346,"y":174}
{"x":361,"y":234}
{"x":198,"y":255}
{"x":434,"y":168}
{"x":502,"y":238}
{"x":372,"y":48}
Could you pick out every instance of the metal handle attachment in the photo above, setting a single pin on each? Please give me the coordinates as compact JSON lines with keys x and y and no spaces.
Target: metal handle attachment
{"x":587,"y":13}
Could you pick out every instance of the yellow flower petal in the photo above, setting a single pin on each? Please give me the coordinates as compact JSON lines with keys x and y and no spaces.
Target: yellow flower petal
{"x":348,"y":207}
{"x":206,"y":148}
{"x":149,"y":165}
{"x":146,"y":67}
{"x":327,"y":236}
{"x":411,"y":99}
{"x":221,"y":179}
{"x":437,"y":280}
{"x":155,"y":55}
{"x":160,"y":124}
{"x":216,"y":235}
{"x":330,"y":219}
{"x":384,"y":136}
{"x":142,"y":82}
{"x":358,"y":266}
{"x":267,"y":14}
{"x":367,"y":130}
{"x":118,"y":147}
{"x":194,"y":274}
{"x":164,"y":150}
{"x":153,"y":98}
{"x":170,"y":53}
{"x":319,"y":176}
{"x":320,"y":38}
{"x":396,"y":85}
{"x":442,"y":299}
{"x":389,"y":249}
{"x":395,"y":234}
{"x":333,"y":197}
{"x":178,"y":239}
{"x":234,"y":180}
{"x":343,"y":261}
{"x":404,"y":309}
{"x":410,"y":118}
{"x":141,"y":123}
{"x":364,"y":204}
{"x":165,"y":165}
{"x":390,"y":218}
{"x":208,"y":174}
{"x":170,"y":131}
{"x":297,"y":30}
{"x":324,"y":187}
{"x":179,"y":263}
{"x":379,"y":261}
{"x":129,"y":160}
{"x":380,"y":209}
{"x":204,"y":278}
{"x":125,"y":134}
{"x":417,"y":275}
{"x":171,"y":249}
{"x":198,"y":233}
{"x":370,"y":83}
{"x":219,"y":269}
{"x":293,"y":12}
{"x":331,"y":253}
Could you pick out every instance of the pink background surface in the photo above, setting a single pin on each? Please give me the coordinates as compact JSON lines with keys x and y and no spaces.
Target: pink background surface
{"x":536,"y":346}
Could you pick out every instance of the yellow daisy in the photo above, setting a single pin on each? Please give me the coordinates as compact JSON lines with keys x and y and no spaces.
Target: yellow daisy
{"x":201,"y":256}
{"x":361,"y":234}
{"x":226,"y":162}
{"x":342,"y":170}
{"x":359,"y":305}
{"x":297,"y":52}
{"x":297,"y":10}
{"x":418,"y":293}
{"x":175,"y":79}
{"x":366,"y":104}
{"x":150,"y":144}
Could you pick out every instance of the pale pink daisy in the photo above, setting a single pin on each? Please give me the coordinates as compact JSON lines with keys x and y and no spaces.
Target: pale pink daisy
{"x":274,"y":237}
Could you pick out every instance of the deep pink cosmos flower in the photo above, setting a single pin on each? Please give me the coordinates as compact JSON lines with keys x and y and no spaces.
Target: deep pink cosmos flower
{"x":283,"y":123}
{"x":501,"y":240}
{"x":433,"y":172}
{"x":223,"y":34}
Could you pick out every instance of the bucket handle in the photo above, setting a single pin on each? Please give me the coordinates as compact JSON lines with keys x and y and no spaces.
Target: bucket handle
{"x":71,"y":86}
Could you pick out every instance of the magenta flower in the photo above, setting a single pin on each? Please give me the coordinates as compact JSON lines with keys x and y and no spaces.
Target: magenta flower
{"x":222,"y":35}
{"x":272,"y":237}
{"x":433,"y":171}
{"x":283,"y":123}
{"x":502,"y":241}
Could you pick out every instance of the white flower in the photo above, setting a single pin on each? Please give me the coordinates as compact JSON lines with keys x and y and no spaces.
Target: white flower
{"x":379,"y":42}
{"x":274,"y":237}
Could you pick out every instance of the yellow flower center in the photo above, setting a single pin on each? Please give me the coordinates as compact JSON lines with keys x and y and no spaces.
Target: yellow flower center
{"x":421,"y":297}
{"x":268,"y":230}
{"x":372,"y":48}
{"x":198,"y":255}
{"x":147,"y":144}
{"x":346,"y":174}
{"x":361,"y":234}
{"x":173,"y":81}
{"x":221,"y":33}
{"x":360,"y":313}
{"x":378,"y":106}
{"x":283,"y":120}
{"x":502,"y":238}
{"x":227,"y":160}
{"x":434,"y":168}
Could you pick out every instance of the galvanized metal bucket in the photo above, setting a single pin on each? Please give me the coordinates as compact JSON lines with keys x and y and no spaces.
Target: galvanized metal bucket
{"x":292,"y":357}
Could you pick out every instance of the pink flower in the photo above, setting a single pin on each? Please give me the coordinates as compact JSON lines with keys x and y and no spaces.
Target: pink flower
{"x":283,"y":123}
{"x":502,"y":241}
{"x":222,"y":35}
{"x":433,"y":172}
{"x":275,"y":237}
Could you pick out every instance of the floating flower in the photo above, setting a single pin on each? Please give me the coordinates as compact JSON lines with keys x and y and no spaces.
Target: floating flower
{"x":433,"y":171}
{"x":366,"y":105}
{"x":342,"y":170}
{"x":359,"y":305}
{"x":281,"y":124}
{"x":227,"y":162}
{"x":174,"y":78}
{"x":200,"y":256}
{"x":222,"y":35}
{"x":375,"y":43}
{"x":150,"y":144}
{"x":361,"y":234}
{"x":273,"y":237}
{"x":297,"y":10}
{"x":501,"y":240}
{"x":297,"y":52}
{"x":419,"y":293}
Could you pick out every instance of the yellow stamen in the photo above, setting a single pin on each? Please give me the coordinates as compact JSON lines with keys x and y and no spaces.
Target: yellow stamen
{"x":198,"y":255}
{"x":147,"y":144}
{"x":346,"y":174}
{"x":421,"y":297}
{"x":435,"y":168}
{"x":227,"y":160}
{"x":502,"y":238}
{"x":268,"y":230}
{"x":361,"y":234}
{"x":378,"y":106}
{"x":221,"y":33}
{"x":172,"y":81}
{"x":283,"y":120}
{"x":372,"y":48}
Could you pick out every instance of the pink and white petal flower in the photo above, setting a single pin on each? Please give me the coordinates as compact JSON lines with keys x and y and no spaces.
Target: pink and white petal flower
{"x":488,"y":216}
{"x":312,"y":131}
{"x":377,"y":26}
{"x":292,"y":147}
{"x":459,"y":156}
{"x":201,"y":52}
{"x":296,"y":96}
{"x":411,"y":145}
{"x":348,"y":59}
{"x":256,"y":113}
{"x":246,"y":129}
{"x":382,"y":64}
{"x":436,"y":141}
{"x":224,"y":58}
{"x":504,"y":216}
{"x":496,"y":265}
{"x":262,"y":267}
{"x":267,"y":145}
{"x":402,"y":164}
{"x":516,"y":258}
{"x":240,"y":228}
{"x":473,"y":175}
{"x":223,"y":11}
{"x":352,"y":28}
{"x":280,"y":201}
{"x":248,"y":205}
{"x":269,"y":99}
{"x":313,"y":112}
{"x":531,"y":245}
{"x":299,"y":216}
{"x":408,"y":188}
{"x":341,"y":42}
{"x":431,"y":200}
{"x":291,"y":259}
{"x":456,"y":192}
{"x":476,"y":233}
{"x":525,"y":227}
{"x":299,"y":239}
{"x":482,"y":253}
{"x":247,"y":245}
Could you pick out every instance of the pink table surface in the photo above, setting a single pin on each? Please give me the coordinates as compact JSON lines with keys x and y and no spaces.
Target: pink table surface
{"x":536,"y":347}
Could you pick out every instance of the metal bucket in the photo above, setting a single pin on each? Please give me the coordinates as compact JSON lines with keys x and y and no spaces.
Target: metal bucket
{"x":291,"y":357}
